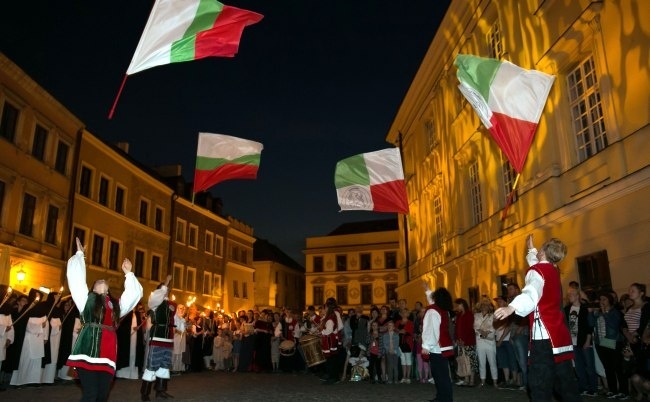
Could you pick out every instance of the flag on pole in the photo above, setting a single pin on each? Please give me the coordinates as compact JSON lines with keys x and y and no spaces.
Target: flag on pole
{"x":372,"y":181}
{"x":222,"y":157}
{"x":508,"y":99}
{"x":185,"y":30}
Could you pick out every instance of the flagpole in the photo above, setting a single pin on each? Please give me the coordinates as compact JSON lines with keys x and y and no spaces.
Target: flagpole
{"x":510,"y":196}
{"x":119,"y":92}
{"x":404,"y":223}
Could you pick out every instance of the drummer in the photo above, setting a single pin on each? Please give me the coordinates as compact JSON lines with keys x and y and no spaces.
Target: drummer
{"x":291,"y":332}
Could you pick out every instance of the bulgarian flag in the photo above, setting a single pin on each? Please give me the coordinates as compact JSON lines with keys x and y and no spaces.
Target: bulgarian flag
{"x":222,"y":157}
{"x":373,"y":181}
{"x":185,"y":30}
{"x":508,"y":99}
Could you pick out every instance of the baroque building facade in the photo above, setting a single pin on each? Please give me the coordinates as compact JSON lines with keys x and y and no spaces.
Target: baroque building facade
{"x":38,"y":149}
{"x":586,"y":179}
{"x":356,"y":264}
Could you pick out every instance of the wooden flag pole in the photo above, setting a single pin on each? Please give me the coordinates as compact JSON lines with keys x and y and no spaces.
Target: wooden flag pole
{"x":119,"y":92}
{"x":510,"y":196}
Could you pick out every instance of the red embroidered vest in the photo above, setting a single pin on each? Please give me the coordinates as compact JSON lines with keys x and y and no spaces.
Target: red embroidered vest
{"x":551,"y":313}
{"x":445,"y":342}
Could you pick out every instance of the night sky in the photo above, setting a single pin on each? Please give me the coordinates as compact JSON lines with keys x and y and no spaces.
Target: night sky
{"x":314,"y":81}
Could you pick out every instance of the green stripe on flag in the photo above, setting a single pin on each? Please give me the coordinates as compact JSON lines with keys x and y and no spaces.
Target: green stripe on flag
{"x":477,"y":72}
{"x":203,"y":163}
{"x":206,"y":14}
{"x":351,"y":171}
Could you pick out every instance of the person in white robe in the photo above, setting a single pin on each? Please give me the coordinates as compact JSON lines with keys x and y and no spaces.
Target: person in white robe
{"x":131,"y":372}
{"x":29,"y":367}
{"x":180,"y":332}
{"x":49,"y":371}
{"x":6,"y":339}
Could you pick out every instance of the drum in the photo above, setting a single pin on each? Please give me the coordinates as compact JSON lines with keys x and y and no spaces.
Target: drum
{"x":287,"y":348}
{"x":311,"y":346}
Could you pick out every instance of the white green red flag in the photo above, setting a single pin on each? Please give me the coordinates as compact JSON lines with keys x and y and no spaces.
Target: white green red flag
{"x":508,"y":99}
{"x":372,"y":181}
{"x":185,"y":30}
{"x":222,"y":157}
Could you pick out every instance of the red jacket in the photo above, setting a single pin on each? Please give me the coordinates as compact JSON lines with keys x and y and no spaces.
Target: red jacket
{"x":465,"y":328}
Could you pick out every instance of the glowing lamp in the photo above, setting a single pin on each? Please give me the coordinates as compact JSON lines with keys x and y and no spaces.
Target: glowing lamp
{"x":20,"y":275}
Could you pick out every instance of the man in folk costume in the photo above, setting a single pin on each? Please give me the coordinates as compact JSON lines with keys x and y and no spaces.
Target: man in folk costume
{"x":330,"y":340}
{"x":95,"y":350}
{"x":437,"y":345}
{"x":161,"y":342}
{"x":291,"y":332}
{"x":35,"y":339}
{"x":551,"y":348}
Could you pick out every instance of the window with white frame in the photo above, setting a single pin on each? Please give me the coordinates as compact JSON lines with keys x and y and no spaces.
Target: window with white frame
{"x":52,"y":224}
{"x":430,"y":132}
{"x":61,"y":158}
{"x":586,"y":110}
{"x":209,"y":242}
{"x":216,"y":285}
{"x":180,"y":230}
{"x":9,"y":121}
{"x":104,"y":184}
{"x":235,"y":288}
{"x":159,"y":219}
{"x":244,"y":290}
{"x":218,"y":245}
{"x":155,"y":267}
{"x":120,"y":199}
{"x":178,"y":276}
{"x":138,"y":263}
{"x":193,"y":236}
{"x":114,"y":255}
{"x":494,"y":39}
{"x":475,"y":193}
{"x":98,"y":250}
{"x":27,"y":216}
{"x":437,"y":218}
{"x":190,"y":285}
{"x":207,"y":283}
{"x":144,"y":212}
{"x":39,"y":143}
{"x":508,"y":173}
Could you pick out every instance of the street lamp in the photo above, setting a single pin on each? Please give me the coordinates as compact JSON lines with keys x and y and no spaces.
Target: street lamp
{"x":20,"y":275}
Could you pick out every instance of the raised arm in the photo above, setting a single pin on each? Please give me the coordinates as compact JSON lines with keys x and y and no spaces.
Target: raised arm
{"x":157,"y":296}
{"x":132,"y":289}
{"x":76,"y":274}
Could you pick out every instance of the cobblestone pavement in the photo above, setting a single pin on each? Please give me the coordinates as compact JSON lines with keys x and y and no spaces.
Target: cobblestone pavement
{"x":267,"y":387}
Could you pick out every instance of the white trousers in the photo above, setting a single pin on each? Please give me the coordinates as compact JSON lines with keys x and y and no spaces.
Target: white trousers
{"x":487,"y":352}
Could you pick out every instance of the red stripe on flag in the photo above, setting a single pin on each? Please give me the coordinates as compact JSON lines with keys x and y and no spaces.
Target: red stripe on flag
{"x":514,"y":137}
{"x":390,"y":197}
{"x":223,"y":38}
{"x":204,"y":179}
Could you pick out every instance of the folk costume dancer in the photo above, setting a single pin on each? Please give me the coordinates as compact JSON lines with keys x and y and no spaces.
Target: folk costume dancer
{"x":95,"y":350}
{"x":436,"y":341}
{"x":330,"y":342}
{"x":161,"y":342}
{"x":551,"y":349}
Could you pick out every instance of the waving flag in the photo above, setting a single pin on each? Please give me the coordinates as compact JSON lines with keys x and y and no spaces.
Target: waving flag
{"x":508,"y":99}
{"x":184,"y":30}
{"x":373,"y":181}
{"x":222,"y":157}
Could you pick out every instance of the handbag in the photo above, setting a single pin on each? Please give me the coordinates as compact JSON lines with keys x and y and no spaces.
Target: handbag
{"x":464,"y":366}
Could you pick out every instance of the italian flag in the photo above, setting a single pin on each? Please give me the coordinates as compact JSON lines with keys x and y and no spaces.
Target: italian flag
{"x":507,"y":98}
{"x":373,"y":181}
{"x":222,"y":157}
{"x":184,"y":30}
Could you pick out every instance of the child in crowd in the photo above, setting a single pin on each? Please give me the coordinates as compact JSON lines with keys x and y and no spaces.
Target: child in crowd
{"x":217,"y":351}
{"x":392,"y":353}
{"x":227,"y":348}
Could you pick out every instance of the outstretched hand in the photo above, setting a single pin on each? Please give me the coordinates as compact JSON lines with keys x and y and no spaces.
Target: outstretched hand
{"x":425,"y":285}
{"x":503,"y":312}
{"x":80,"y":247}
{"x":127,"y":266}
{"x":529,"y":241}
{"x":169,"y":278}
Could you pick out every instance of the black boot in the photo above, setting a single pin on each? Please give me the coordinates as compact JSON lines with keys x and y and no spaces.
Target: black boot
{"x":145,"y":390}
{"x":161,"y":389}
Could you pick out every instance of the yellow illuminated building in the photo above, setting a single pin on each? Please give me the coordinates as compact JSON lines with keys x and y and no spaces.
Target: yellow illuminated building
{"x":586,"y":179}
{"x":238,"y":291}
{"x":38,"y":138}
{"x":356,"y":264}
{"x":120,"y":211}
{"x":279,"y":280}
